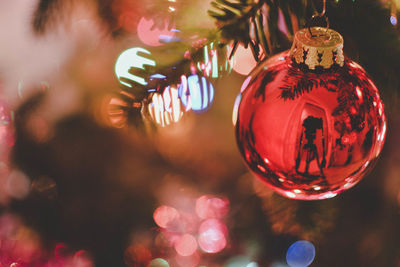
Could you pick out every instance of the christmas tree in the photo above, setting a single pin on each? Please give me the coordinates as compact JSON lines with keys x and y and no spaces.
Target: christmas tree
{"x":117,"y":145}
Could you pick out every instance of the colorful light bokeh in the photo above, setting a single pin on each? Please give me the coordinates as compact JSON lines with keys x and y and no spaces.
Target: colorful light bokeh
{"x":242,"y":61}
{"x":186,"y":245}
{"x":393,"y":20}
{"x":151,"y":35}
{"x":133,"y":58}
{"x":165,"y":215}
{"x":208,"y":206}
{"x":300,"y":254}
{"x":165,"y":108}
{"x":137,"y":255}
{"x":21,"y":246}
{"x":18,"y":185}
{"x":211,"y":66}
{"x":159,"y":263}
{"x":212,"y":236}
{"x":196,"y":93}
{"x":191,"y":228}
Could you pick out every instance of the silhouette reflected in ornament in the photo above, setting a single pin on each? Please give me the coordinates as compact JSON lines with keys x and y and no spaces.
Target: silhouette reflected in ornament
{"x":309,"y":150}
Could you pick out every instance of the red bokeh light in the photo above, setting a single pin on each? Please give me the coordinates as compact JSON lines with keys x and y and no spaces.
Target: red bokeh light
{"x":128,"y":13}
{"x":137,"y":255}
{"x":60,"y":251}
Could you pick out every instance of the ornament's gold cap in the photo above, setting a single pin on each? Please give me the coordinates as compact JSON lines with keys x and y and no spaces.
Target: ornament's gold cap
{"x":316,"y":47}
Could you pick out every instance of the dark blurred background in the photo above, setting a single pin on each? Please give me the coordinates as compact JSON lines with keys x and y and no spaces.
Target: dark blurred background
{"x":77,"y":191}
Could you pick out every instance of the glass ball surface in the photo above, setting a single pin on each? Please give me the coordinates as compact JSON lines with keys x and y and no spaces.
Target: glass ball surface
{"x":309,"y":134}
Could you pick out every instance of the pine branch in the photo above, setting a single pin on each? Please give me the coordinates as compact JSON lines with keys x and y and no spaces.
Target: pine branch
{"x":256,"y":23}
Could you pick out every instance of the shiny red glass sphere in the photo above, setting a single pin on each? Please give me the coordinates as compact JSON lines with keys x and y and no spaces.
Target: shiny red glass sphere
{"x":309,"y":134}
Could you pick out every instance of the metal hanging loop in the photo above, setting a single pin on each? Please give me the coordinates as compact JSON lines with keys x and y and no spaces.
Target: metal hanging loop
{"x":318,"y":15}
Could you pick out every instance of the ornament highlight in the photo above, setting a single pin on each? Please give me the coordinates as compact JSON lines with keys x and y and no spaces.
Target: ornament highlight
{"x":310,"y":122}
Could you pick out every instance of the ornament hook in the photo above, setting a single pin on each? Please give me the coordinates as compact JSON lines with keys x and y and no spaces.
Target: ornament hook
{"x":321,"y":15}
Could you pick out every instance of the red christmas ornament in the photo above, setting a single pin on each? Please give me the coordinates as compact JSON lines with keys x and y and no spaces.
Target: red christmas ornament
{"x":310,"y":122}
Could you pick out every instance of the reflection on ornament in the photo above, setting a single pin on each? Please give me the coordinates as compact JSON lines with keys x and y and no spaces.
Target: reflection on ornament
{"x":150,"y":35}
{"x":300,"y":254}
{"x":196,"y":93}
{"x":310,"y":134}
{"x":128,"y":61}
{"x":236,"y":109}
{"x":281,"y":23}
{"x":238,"y":99}
{"x":242,"y":60}
{"x":166,"y":108}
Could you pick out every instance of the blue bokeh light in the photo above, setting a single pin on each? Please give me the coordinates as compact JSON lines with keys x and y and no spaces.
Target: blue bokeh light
{"x":300,"y":254}
{"x":196,"y":93}
{"x":393,"y":20}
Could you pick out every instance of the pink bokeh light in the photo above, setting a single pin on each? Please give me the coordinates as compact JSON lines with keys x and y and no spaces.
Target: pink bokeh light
{"x":164,"y":216}
{"x":212,"y":236}
{"x":186,"y":245}
{"x":211,"y":207}
{"x":242,"y":61}
{"x":151,"y":36}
